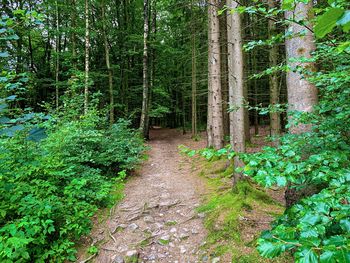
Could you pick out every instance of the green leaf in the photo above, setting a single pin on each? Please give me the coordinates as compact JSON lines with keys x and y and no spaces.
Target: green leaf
{"x":281,"y":181}
{"x":270,"y":250}
{"x":306,"y":256}
{"x":327,"y":257}
{"x":345,"y":225}
{"x":326,"y":22}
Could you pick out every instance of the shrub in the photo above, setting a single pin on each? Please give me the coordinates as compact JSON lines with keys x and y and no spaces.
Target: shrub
{"x":51,"y":189}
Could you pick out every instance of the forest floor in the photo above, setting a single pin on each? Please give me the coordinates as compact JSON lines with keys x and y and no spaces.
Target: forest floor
{"x":158,"y":219}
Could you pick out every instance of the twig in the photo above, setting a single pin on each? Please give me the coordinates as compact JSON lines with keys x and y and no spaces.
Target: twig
{"x":89,"y":258}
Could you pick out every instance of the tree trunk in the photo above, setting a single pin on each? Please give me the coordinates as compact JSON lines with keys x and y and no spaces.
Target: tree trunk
{"x":215,"y":75}
{"x":302,"y":95}
{"x":108,"y":65}
{"x":236,"y":84}
{"x":194,"y":76}
{"x":57,"y":55}
{"x":275,"y":122}
{"x":74,"y":38}
{"x":210,"y":90}
{"x":224,"y":76}
{"x":87,"y":65}
{"x":145,"y":93}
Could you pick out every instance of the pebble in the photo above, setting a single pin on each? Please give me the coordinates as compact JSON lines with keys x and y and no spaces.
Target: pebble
{"x":133,"y":226}
{"x":182,"y":250}
{"x":205,"y":259}
{"x":194,"y":231}
{"x":132,"y":253}
{"x":148,"y":219}
{"x":173,"y":230}
{"x":118,"y":259}
{"x":215,"y":260}
{"x":201,"y":215}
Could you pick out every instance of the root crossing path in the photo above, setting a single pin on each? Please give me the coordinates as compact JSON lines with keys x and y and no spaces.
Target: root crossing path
{"x":157,"y":220}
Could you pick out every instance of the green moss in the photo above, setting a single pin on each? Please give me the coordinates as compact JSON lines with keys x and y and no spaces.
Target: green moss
{"x":223,"y":210}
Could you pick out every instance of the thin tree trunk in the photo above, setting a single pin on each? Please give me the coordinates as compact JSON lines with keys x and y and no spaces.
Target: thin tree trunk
{"x":145,"y":94}
{"x":224,"y":75}
{"x":302,"y":95}
{"x":87,"y":46}
{"x":194,"y":76}
{"x":74,"y":38}
{"x":236,"y":84}
{"x":215,"y":75}
{"x":108,"y":65}
{"x":57,"y":55}
{"x":275,"y":121}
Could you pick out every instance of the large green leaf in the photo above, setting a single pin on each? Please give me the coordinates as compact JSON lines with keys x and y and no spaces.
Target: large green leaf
{"x":270,"y":250}
{"x":327,"y":21}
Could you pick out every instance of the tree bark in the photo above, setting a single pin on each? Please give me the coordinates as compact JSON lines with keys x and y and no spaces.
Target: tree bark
{"x":87,"y":57}
{"x":224,"y":75}
{"x":108,"y":65}
{"x":145,"y":93}
{"x":302,"y":95}
{"x":57,"y":55}
{"x":215,"y":75}
{"x":236,"y":84}
{"x":194,"y":75}
{"x":275,"y":121}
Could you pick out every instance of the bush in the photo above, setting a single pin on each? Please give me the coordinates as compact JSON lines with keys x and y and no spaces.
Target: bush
{"x":51,"y":189}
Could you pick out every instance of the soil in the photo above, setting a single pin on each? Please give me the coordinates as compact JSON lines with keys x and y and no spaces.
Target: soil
{"x":157,"y":219}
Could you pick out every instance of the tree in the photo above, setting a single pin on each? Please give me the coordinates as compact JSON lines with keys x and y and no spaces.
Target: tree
{"x":215,"y":75}
{"x":108,"y":64}
{"x":194,"y":73}
{"x":236,"y":83}
{"x":145,"y":93}
{"x":302,"y":94}
{"x":275,"y":122}
{"x":87,"y":57}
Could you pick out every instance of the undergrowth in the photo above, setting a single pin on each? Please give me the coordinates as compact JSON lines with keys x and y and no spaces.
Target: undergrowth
{"x":225,"y":210}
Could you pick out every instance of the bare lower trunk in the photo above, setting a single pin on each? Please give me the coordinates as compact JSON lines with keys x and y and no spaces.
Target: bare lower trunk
{"x":108,"y":65}
{"x":210,"y":91}
{"x":224,"y":76}
{"x":145,"y":93}
{"x":215,"y":75}
{"x":87,"y":46}
{"x":194,"y":77}
{"x":302,"y":95}
{"x":236,"y":84}
{"x":275,"y":122}
{"x":57,"y":55}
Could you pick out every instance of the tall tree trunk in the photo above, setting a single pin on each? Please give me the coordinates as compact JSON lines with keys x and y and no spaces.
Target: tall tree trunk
{"x":87,"y":65}
{"x":215,"y":75}
{"x":302,"y":95}
{"x":145,"y":93}
{"x":108,"y":65}
{"x":210,"y":88}
{"x":275,"y":121}
{"x":224,"y":75}
{"x":194,"y":74}
{"x":74,"y":37}
{"x":236,"y":84}
{"x":57,"y":55}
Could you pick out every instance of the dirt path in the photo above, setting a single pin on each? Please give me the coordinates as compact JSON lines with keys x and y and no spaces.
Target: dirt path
{"x":157,"y":219}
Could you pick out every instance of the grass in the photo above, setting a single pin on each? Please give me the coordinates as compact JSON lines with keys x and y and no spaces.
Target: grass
{"x":224,"y":210}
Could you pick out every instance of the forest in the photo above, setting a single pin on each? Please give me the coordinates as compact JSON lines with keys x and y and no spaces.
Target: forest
{"x":106,"y":106}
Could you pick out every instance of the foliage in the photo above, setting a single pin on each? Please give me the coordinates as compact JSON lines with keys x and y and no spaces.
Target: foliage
{"x":50,"y":189}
